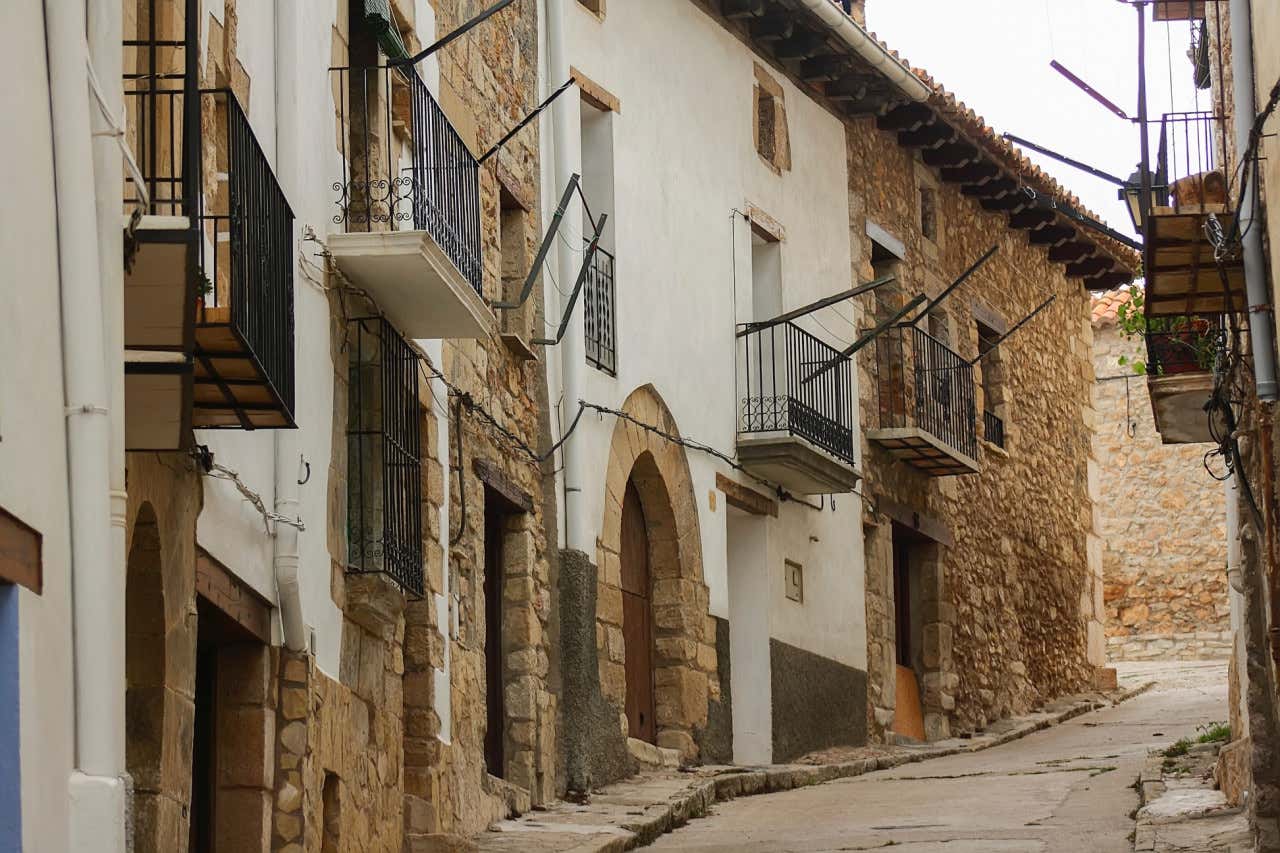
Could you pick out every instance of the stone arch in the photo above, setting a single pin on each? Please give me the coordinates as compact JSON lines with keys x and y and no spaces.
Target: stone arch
{"x":684,"y":640}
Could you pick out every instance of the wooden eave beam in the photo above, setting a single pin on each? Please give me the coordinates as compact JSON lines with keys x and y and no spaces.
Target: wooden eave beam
{"x":1051,"y":235}
{"x":737,"y":9}
{"x":825,"y":69}
{"x":905,"y":117}
{"x":1033,"y":218}
{"x":1007,"y":203}
{"x":1067,"y":253}
{"x":1089,"y":267}
{"x":1107,"y":280}
{"x":953,"y":155}
{"x":802,"y":45}
{"x":777,"y":26}
{"x":851,"y":88}
{"x":975,"y":173}
{"x":990,"y":188}
{"x":929,"y":136}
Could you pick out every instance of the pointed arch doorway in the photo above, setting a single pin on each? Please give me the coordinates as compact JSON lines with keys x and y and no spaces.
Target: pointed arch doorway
{"x":637,"y":619}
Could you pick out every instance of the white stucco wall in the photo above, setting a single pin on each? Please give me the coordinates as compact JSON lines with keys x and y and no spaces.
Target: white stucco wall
{"x":33,"y":472}
{"x":684,"y":159}
{"x":229,"y":528}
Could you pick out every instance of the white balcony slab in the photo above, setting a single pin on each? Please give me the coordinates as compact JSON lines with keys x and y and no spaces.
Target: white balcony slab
{"x":158,"y":292}
{"x":157,"y":401}
{"x":413,"y":281}
{"x":795,"y":463}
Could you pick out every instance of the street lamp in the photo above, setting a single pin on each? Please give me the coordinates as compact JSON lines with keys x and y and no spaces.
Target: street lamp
{"x":1131,"y":195}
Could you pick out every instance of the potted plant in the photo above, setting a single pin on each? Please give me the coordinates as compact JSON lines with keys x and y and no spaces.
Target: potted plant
{"x":1175,"y":345}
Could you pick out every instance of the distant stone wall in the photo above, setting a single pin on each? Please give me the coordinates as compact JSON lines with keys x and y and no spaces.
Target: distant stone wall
{"x":1163,"y":523}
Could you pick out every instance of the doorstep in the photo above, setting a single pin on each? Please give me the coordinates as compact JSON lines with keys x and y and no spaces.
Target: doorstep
{"x":636,"y":811}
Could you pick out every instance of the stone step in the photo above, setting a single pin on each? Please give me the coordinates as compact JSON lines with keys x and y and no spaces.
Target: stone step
{"x":653,"y":757}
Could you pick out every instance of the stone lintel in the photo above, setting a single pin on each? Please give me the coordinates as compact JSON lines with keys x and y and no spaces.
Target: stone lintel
{"x":745,"y":499}
{"x":925,"y":525}
{"x":495,"y":478}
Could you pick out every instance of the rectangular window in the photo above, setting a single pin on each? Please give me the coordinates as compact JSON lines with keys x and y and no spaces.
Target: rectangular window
{"x":929,"y":214}
{"x":384,"y":445}
{"x":598,"y":292}
{"x":990,"y":380}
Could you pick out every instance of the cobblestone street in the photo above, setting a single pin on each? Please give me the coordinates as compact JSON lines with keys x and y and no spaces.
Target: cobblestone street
{"x":1068,"y":789}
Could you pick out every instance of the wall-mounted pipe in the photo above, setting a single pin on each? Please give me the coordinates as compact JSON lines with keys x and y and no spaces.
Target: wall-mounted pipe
{"x":1261,"y":319}
{"x":868,"y":49}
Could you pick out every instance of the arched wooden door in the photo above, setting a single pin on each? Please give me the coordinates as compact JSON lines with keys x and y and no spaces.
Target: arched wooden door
{"x":637,"y":619}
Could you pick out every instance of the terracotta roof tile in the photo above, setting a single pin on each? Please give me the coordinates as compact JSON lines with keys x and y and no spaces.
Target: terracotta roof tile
{"x":1106,"y":306}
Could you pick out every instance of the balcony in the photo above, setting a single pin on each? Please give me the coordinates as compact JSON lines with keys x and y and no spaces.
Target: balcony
{"x":797,"y":415}
{"x":409,"y":205}
{"x":209,"y":259}
{"x":1180,"y":357}
{"x":925,"y":403}
{"x":1191,"y":202}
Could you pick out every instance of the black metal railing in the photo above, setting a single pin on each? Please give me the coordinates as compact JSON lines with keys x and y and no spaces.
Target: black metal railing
{"x":993,"y":428}
{"x":403,"y":162}
{"x":246,"y":250}
{"x":598,"y":315}
{"x":1189,"y":168}
{"x":923,"y":383}
{"x":384,"y":449}
{"x":1182,"y":344}
{"x":790,"y":381}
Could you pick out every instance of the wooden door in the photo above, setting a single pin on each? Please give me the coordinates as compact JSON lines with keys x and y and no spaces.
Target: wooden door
{"x":637,"y":620}
{"x":495,"y":712}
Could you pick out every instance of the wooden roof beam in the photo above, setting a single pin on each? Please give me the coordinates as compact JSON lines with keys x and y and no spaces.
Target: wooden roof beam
{"x":852,"y":88}
{"x":774,"y":27}
{"x":905,"y":117}
{"x":825,"y":69}
{"x":735,"y":9}
{"x":802,"y":45}
{"x":929,"y":136}
{"x":974,"y":173}
{"x":1051,"y":235}
{"x":1032,"y":218}
{"x":954,"y":154}
{"x":1089,"y":267}
{"x":1076,"y":250}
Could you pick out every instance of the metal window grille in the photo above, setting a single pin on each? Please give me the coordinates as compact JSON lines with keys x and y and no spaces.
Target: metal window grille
{"x":601,"y":325}
{"x":402,"y":162}
{"x":993,"y":428}
{"x":384,"y":477}
{"x":791,"y":381}
{"x":922,"y":383}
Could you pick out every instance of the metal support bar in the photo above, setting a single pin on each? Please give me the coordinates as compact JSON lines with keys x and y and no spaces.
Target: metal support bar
{"x":1070,"y":161}
{"x":964,"y":276}
{"x":868,"y":337}
{"x":547,"y":240}
{"x":525,"y":121}
{"x":1017,"y":326}
{"x":460,"y":31}
{"x":587,"y":258}
{"x":1089,"y":90}
{"x":815,"y":306}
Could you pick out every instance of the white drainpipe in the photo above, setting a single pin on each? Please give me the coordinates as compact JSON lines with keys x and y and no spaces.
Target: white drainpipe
{"x":96,"y":787}
{"x":868,"y":49}
{"x":573,"y":347}
{"x":287,"y":460}
{"x":1261,"y":321}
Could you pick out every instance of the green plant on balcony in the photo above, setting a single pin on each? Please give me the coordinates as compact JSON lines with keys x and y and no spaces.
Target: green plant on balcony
{"x":1173,"y":344}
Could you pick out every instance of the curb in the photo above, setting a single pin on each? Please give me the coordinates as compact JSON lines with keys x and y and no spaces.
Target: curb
{"x":695,"y":800}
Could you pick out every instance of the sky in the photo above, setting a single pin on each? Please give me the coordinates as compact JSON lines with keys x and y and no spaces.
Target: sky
{"x":994,"y":56}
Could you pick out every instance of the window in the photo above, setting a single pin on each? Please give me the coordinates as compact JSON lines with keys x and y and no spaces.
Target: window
{"x":794,"y":580}
{"x":384,"y":483}
{"x":771,"y":138}
{"x":929,"y":214}
{"x":991,"y":381}
{"x":513,"y":244}
{"x":597,"y":185}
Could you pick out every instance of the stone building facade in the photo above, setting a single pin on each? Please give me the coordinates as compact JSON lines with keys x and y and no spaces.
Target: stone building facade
{"x":1166,"y":578}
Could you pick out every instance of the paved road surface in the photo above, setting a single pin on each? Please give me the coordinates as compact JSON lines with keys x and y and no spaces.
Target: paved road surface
{"x":1065,"y":790}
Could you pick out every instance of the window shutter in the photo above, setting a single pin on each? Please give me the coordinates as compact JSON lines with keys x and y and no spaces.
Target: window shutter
{"x":380,"y":21}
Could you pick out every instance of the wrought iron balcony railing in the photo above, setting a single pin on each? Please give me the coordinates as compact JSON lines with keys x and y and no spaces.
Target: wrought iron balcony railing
{"x":923,"y":383}
{"x":404,"y":166}
{"x":790,"y":381}
{"x":1179,"y":345}
{"x":601,"y":325}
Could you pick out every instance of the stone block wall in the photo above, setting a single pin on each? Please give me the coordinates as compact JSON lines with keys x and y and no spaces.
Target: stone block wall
{"x":1163,"y":522}
{"x":1014,"y":599}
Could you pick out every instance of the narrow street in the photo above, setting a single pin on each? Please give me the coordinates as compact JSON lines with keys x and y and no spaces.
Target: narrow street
{"x":1067,"y":789}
